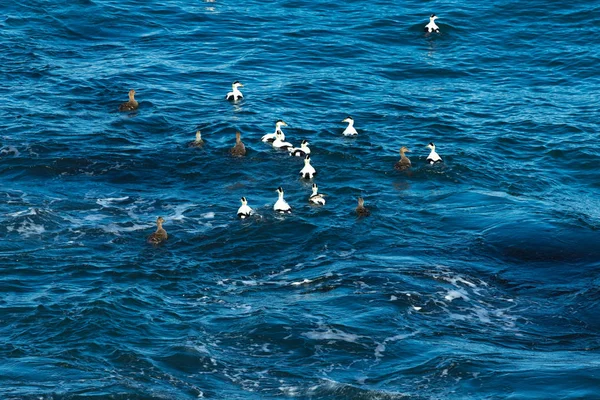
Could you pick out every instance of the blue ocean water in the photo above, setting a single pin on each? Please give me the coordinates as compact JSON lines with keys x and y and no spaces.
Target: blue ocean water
{"x":477,"y":278}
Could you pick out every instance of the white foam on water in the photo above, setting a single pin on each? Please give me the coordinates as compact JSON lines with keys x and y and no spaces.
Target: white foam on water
{"x":483,"y":315}
{"x":27,"y":228}
{"x":303,"y":282}
{"x":332,"y":334}
{"x":29,"y":211}
{"x":380,"y":348}
{"x":285,"y":271}
{"x":108,"y":202}
{"x":9,"y":150}
{"x":113,"y":228}
{"x":180,"y":209}
{"x":456,"y":294}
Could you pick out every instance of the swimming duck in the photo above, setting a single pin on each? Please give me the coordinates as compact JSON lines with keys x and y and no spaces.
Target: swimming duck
{"x":239,"y":149}
{"x":281,"y":206}
{"x":198,"y":142}
{"x":404,"y":162}
{"x":278,"y":143}
{"x":244,"y":211}
{"x":270,"y":137}
{"x":349,"y":131}
{"x":308,"y":172}
{"x":160,"y":235}
{"x":315,"y":197}
{"x":235,"y":92}
{"x":431,"y":26}
{"x":301,"y":151}
{"x":361,"y":210}
{"x":131,"y":105}
{"x":433,"y":157}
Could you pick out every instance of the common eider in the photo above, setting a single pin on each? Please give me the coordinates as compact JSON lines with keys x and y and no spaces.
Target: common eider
{"x":198,"y":142}
{"x":360,"y":209}
{"x":404,"y":162}
{"x":160,"y":235}
{"x":131,"y":105}
{"x":239,"y":149}
{"x":270,"y":137}
{"x":301,"y":151}
{"x":433,"y":157}
{"x":316,"y":198}
{"x":431,"y":26}
{"x":349,"y":131}
{"x":244,"y":211}
{"x":308,"y":172}
{"x":281,"y":206}
{"x":278,"y":143}
{"x":235,"y":92}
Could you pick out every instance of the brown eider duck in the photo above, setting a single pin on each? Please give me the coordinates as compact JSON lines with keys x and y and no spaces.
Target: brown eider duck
{"x":160,"y":235}
{"x":131,"y":105}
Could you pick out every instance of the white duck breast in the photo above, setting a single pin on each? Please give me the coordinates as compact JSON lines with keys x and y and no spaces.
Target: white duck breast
{"x":235,"y":93}
{"x":270,"y":137}
{"x":244,"y":211}
{"x":431,"y":26}
{"x":433,"y":156}
{"x":278,"y":143}
{"x":301,"y":151}
{"x":281,"y":206}
{"x":316,"y":198}
{"x":350,"y":130}
{"x":308,"y":172}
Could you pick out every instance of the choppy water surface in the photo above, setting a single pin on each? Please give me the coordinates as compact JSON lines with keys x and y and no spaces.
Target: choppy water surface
{"x":474,"y":279}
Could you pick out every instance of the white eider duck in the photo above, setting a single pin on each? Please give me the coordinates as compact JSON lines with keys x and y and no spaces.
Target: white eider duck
{"x":281,"y":206}
{"x":131,"y":105}
{"x":349,"y":131}
{"x":301,"y":151}
{"x":431,"y":26}
{"x":361,"y":210}
{"x":270,"y":137}
{"x":235,"y":92}
{"x":433,"y":157}
{"x":404,"y":162}
{"x":308,"y":172}
{"x":278,"y":143}
{"x":160,"y":235}
{"x":244,"y":211}
{"x":239,"y":149}
{"x":198,"y":142}
{"x":316,"y":198}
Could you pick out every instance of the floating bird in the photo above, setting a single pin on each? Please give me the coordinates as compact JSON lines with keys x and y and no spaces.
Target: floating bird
{"x":270,"y":137}
{"x":431,"y":26}
{"x":278,"y":143}
{"x":244,"y":211}
{"x":361,"y":210}
{"x":131,"y":105}
{"x":308,"y":172}
{"x":160,"y":235}
{"x":198,"y":142}
{"x":281,"y":206}
{"x":433,"y":157}
{"x":301,"y":151}
{"x":239,"y":149}
{"x":316,"y":198}
{"x":235,"y":93}
{"x":404,"y":162}
{"x":349,"y":131}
